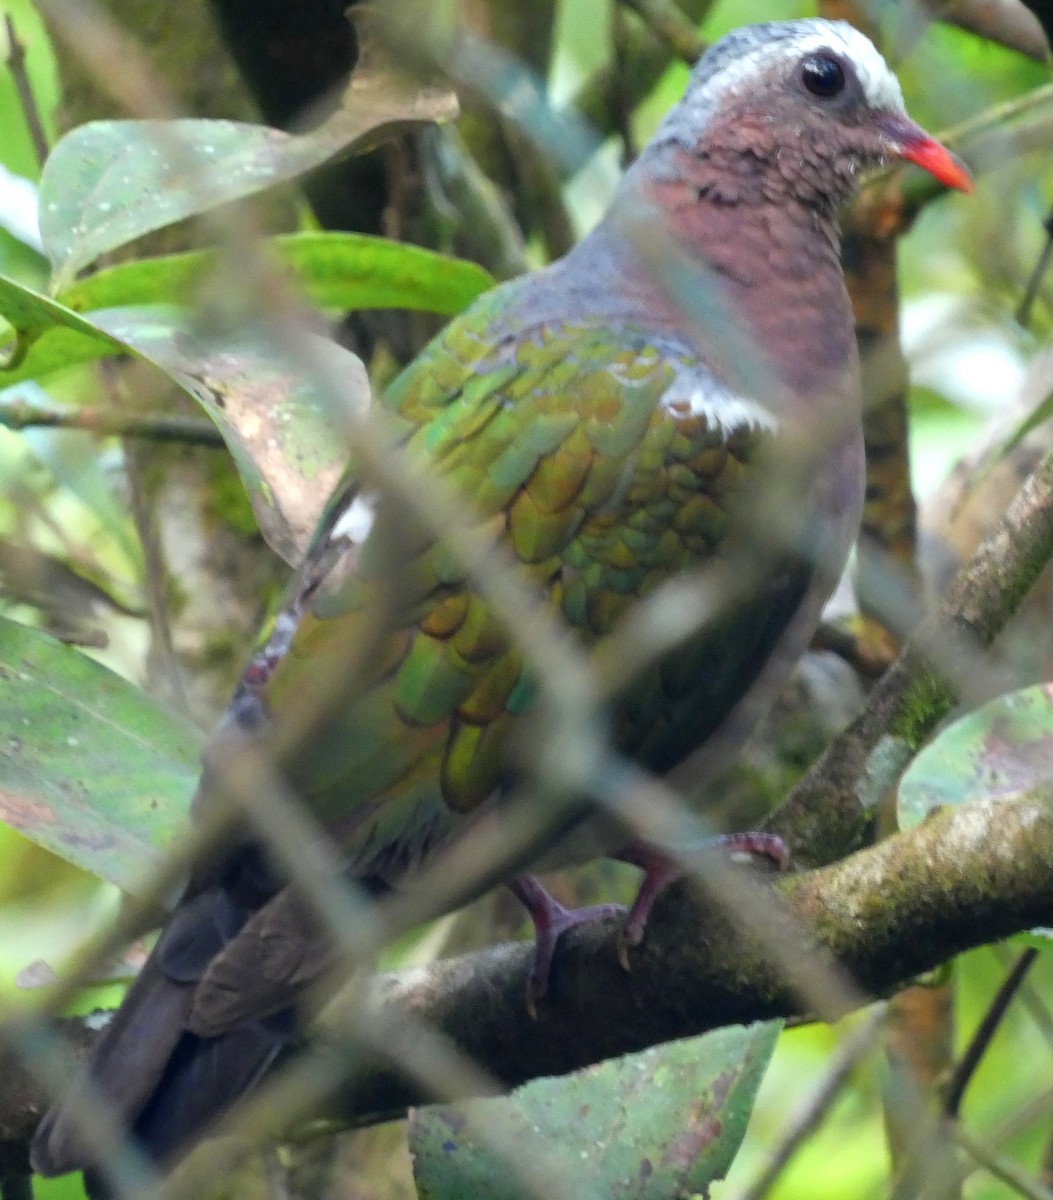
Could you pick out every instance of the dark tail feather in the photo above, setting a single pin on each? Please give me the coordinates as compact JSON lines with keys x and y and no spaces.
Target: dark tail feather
{"x":124,"y":1067}
{"x":203,"y":1078}
{"x":164,"y":1085}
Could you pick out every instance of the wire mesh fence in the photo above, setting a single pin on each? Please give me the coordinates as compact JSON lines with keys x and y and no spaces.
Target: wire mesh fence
{"x":573,"y":550}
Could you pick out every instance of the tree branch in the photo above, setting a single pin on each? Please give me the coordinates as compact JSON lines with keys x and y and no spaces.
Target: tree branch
{"x":19,"y":413}
{"x":965,"y":877}
{"x":829,"y":810}
{"x":671,"y":26}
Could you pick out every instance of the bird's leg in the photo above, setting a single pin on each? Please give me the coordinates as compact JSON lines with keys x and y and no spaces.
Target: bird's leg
{"x":660,"y":871}
{"x":551,"y":921}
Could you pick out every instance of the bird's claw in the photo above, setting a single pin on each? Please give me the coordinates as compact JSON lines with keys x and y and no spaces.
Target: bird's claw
{"x":757,"y":845}
{"x":547,"y":940}
{"x":534,"y":995}
{"x":660,"y":871}
{"x":623,"y":946}
{"x":551,"y":922}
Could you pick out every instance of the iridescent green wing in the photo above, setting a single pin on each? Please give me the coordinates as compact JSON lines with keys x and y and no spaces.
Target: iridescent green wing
{"x":560,"y":444}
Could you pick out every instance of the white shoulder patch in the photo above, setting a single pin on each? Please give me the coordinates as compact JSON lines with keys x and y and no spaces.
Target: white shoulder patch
{"x":690,"y":396}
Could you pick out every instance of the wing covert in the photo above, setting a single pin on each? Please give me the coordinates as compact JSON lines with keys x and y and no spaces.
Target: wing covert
{"x":590,"y":457}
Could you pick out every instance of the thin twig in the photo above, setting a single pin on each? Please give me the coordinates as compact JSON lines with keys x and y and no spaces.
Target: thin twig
{"x":1034,"y":283}
{"x":1029,"y":1113}
{"x":1037,"y":1009}
{"x":985,"y":139}
{"x":22,"y":414}
{"x":16,"y":64}
{"x":644,"y":58}
{"x":99,"y":42}
{"x":670,"y":26}
{"x":1046,"y":1166}
{"x":153,"y":561}
{"x":622,"y":109}
{"x":998,"y":115}
{"x":1019,"y":1122}
{"x":828,"y":812}
{"x":475,"y":204}
{"x":970,"y":1060}
{"x":1001,"y":1168}
{"x":816,"y":1106}
{"x":985,"y":1031}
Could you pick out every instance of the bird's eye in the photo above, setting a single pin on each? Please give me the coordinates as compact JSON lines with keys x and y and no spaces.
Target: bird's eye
{"x":823,"y":76}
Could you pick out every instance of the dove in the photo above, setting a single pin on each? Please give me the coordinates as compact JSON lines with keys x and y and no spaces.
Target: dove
{"x":679,"y":394}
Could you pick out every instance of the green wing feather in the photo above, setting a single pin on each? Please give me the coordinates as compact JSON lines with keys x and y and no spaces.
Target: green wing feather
{"x":559,"y":442}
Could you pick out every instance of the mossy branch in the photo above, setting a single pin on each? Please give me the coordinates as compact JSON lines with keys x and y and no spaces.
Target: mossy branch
{"x":968,"y":876}
{"x":828,"y":812}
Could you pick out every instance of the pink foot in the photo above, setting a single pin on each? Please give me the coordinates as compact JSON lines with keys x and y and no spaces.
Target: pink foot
{"x":660,"y":871}
{"x":551,"y":922}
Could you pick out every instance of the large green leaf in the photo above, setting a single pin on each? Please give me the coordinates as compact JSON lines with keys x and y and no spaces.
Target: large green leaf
{"x":289,"y":442}
{"x":336,"y":271}
{"x":109,"y":182}
{"x":650,"y":1126}
{"x":48,"y":336}
{"x":90,"y":767}
{"x":1001,"y":749}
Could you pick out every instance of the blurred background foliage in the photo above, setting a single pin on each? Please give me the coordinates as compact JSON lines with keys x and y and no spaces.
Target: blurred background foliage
{"x":89,"y":555}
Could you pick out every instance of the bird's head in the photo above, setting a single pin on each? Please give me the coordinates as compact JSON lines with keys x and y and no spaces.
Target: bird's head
{"x":805,"y":105}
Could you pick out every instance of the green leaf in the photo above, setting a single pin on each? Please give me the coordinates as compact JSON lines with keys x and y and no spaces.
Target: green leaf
{"x":336,"y":270}
{"x":109,"y":182}
{"x":288,"y":440}
{"x":1002,"y":749}
{"x":286,"y":432}
{"x":90,"y":767}
{"x":650,"y":1126}
{"x":48,"y":335}
{"x":1039,"y":937}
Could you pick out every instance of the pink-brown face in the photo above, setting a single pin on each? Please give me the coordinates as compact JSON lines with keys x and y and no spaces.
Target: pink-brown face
{"x":831,"y":81}
{"x":812,"y":99}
